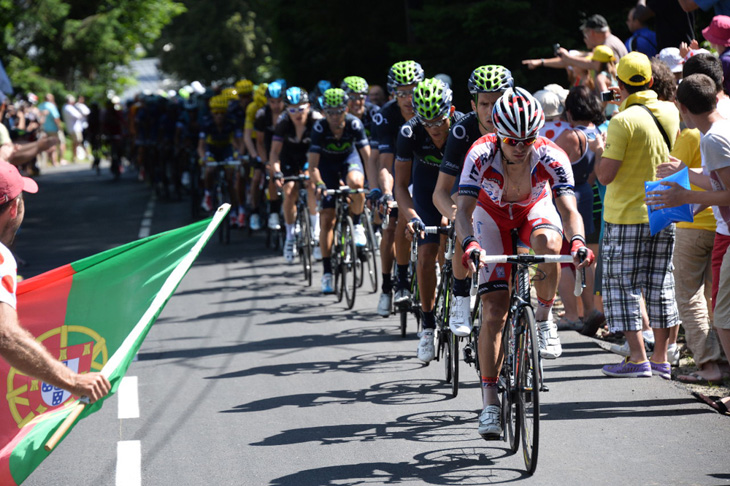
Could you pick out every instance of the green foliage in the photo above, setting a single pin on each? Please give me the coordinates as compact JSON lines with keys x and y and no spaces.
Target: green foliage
{"x":77,"y":45}
{"x":216,"y":40}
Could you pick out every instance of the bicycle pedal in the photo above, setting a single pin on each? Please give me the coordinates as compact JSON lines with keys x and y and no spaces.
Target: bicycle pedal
{"x":544,"y":388}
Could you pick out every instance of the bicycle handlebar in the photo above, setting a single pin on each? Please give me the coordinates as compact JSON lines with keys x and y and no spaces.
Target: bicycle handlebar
{"x":437,"y":230}
{"x":527,"y":259}
{"x":345,"y":190}
{"x":296,"y":178}
{"x":218,"y":163}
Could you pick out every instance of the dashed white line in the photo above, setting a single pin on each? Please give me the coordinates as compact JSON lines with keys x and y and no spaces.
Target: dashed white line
{"x":128,"y":398}
{"x":146,"y":226}
{"x":129,"y":463}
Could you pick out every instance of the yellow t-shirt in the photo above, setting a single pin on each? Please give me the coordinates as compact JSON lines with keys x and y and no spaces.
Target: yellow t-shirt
{"x":687,"y":149}
{"x":251,"y":110}
{"x":634,"y":139}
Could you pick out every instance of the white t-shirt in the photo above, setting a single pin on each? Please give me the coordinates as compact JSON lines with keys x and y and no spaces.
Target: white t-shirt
{"x":8,"y":277}
{"x":73,"y":118}
{"x":715,"y":149}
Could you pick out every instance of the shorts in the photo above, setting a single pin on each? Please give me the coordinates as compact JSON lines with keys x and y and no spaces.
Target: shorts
{"x":493,"y":233}
{"x":291,"y":167}
{"x":721,"y":276}
{"x":333,"y":173}
{"x":584,"y":201}
{"x":427,"y":211}
{"x":635,"y":264}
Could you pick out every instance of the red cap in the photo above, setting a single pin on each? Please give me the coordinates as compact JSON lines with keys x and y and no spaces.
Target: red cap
{"x":718,"y":32}
{"x":12,"y":183}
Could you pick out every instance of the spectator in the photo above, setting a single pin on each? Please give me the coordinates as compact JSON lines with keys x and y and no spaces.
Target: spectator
{"x":113,"y":130}
{"x":722,"y":7}
{"x":553,"y":108}
{"x":584,"y":113}
{"x":52,"y":127}
{"x":642,"y":39}
{"x":597,"y":33}
{"x":605,"y":76}
{"x":17,"y":346}
{"x":673,"y":59}
{"x":6,"y":143}
{"x":718,"y":34}
{"x":74,"y":121}
{"x":376,"y":95}
{"x":673,"y":25}
{"x":635,"y":263}
{"x":697,"y":97}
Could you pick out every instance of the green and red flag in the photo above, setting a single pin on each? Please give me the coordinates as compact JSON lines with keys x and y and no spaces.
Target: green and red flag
{"x":93,"y":315}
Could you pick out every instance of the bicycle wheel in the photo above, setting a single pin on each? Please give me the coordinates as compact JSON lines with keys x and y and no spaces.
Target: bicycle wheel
{"x":510,"y":412}
{"x":304,"y":244}
{"x":453,"y":346}
{"x":370,"y":262}
{"x":349,"y":263}
{"x":528,"y":387}
{"x":337,"y":249}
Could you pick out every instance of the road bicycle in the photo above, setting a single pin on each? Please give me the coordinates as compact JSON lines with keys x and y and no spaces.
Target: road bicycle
{"x":521,"y":376}
{"x":368,"y":255}
{"x":303,"y":228}
{"x":413,"y":304}
{"x":222,"y":193}
{"x":344,"y":250}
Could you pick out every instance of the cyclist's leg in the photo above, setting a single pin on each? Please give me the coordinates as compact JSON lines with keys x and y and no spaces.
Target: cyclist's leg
{"x":402,"y":256}
{"x":494,"y":293}
{"x":290,"y":194}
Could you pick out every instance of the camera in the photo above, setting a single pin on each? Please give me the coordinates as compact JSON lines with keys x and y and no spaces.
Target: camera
{"x":556,"y":48}
{"x":608,"y":96}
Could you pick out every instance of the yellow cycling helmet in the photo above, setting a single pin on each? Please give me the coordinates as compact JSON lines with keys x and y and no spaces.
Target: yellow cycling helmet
{"x":218,"y":104}
{"x":244,"y":87}
{"x":259,"y":96}
{"x":230,"y":94}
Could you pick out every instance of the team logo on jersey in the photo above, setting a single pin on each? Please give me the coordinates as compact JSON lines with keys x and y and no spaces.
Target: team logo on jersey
{"x":318,"y":127}
{"x":406,"y":131}
{"x":334,"y":147}
{"x":500,"y":272}
{"x":378,"y":118}
{"x":459,"y":132}
{"x":432,"y":160}
{"x":356,"y":125}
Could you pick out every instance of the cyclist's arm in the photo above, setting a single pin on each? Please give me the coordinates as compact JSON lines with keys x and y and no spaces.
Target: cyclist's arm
{"x":248,"y":141}
{"x":274,"y":165}
{"x":572,"y":220}
{"x":372,"y":169}
{"x":314,"y":175}
{"x":442,"y":195}
{"x":385,"y":177}
{"x":201,"y":148}
{"x":402,"y":196}
{"x":261,"y":147}
{"x":465,"y":206}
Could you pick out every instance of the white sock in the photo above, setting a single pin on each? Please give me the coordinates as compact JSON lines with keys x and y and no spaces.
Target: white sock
{"x":314,"y":220}
{"x":672,"y":346}
{"x":289,"y":231}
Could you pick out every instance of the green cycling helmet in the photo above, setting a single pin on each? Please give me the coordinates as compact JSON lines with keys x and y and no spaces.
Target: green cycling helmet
{"x":491,"y":78}
{"x":354,"y":84}
{"x":333,"y":98}
{"x":404,"y":73}
{"x":431,"y":99}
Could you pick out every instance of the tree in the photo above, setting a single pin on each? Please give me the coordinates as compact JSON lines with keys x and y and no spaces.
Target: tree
{"x":77,"y":45}
{"x":218,"y":40}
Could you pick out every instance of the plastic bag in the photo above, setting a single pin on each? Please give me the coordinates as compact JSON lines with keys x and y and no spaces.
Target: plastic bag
{"x":661,"y":218}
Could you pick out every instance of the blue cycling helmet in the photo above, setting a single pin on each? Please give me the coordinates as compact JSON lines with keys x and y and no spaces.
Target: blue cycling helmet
{"x":296,"y":95}
{"x":323,"y":85}
{"x":282,"y":83}
{"x":275,"y":90}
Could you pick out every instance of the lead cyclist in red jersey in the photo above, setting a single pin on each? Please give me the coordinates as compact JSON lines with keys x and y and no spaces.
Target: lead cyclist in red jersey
{"x":509,"y":181}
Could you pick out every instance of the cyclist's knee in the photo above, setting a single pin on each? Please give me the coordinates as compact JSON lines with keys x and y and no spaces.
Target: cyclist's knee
{"x":546,"y":242}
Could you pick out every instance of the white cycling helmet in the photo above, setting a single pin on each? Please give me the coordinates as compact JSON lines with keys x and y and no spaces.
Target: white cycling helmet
{"x":517,"y":114}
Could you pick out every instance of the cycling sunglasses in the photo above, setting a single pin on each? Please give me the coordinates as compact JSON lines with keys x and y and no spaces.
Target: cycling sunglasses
{"x":356,"y":97}
{"x":435,"y":124}
{"x":334,"y":111}
{"x":298,"y":109}
{"x":513,"y":142}
{"x":404,"y":94}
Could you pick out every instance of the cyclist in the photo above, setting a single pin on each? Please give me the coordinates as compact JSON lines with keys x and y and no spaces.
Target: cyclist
{"x":317,"y":93}
{"x":265,"y":124}
{"x":289,"y":147}
{"x":357,"y":91}
{"x":504,"y":186}
{"x":402,"y":79}
{"x":419,"y":153}
{"x":486,"y":85}
{"x":257,"y":179}
{"x":237,"y":111}
{"x":216,"y":142}
{"x":333,"y":158}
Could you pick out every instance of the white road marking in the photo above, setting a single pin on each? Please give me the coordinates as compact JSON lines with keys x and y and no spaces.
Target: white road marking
{"x":129,"y":463}
{"x":128,"y":398}
{"x":146,"y":226}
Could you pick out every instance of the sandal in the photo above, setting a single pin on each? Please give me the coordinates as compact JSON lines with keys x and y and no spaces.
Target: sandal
{"x":592,"y":324}
{"x":694,"y":378}
{"x":714,"y":402}
{"x":565,"y":324}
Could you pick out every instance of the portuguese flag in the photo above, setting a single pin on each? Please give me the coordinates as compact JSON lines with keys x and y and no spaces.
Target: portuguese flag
{"x":93,"y":315}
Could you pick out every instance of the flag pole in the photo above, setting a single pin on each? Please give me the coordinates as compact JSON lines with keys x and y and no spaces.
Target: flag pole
{"x":65,"y":425}
{"x":181,"y":270}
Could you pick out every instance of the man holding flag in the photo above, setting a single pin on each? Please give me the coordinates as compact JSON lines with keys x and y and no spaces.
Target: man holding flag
{"x":18,"y":347}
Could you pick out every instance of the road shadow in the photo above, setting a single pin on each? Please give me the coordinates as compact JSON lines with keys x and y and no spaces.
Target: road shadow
{"x":465,"y":465}
{"x":402,"y":392}
{"x":670,"y":407}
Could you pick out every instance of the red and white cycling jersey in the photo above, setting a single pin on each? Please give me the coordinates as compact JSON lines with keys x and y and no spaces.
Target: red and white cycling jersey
{"x":483,"y":176}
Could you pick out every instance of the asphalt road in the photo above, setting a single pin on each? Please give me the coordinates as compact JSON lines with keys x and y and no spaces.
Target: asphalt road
{"x":250,"y":378}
